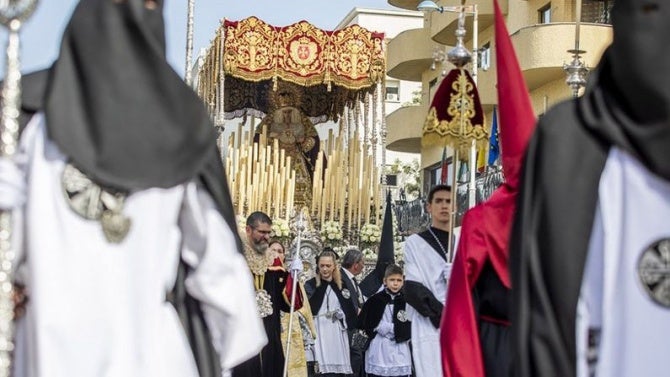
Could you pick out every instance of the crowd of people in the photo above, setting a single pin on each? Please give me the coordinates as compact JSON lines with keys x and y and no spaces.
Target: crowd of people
{"x":339,"y":331}
{"x":130,"y":262}
{"x":329,"y":312}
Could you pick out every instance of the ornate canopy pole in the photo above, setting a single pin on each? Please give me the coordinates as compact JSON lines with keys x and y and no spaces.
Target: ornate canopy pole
{"x":465,"y":132}
{"x":459,"y":56}
{"x":472,"y":185}
{"x":12,"y":15}
{"x":188,"y":75}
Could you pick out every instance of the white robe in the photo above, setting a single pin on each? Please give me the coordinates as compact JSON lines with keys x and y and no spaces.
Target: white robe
{"x":99,"y":309}
{"x":386,"y":357}
{"x":332,"y":342}
{"x":425,"y":266}
{"x":632,"y":213}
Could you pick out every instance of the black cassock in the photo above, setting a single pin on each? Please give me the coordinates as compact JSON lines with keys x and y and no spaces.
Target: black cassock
{"x":556,"y":209}
{"x":373,"y":311}
{"x":270,"y":362}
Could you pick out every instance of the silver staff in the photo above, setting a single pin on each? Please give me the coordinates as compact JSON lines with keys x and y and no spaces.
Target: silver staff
{"x":12,"y":15}
{"x":300,"y":226}
{"x":188,"y":75}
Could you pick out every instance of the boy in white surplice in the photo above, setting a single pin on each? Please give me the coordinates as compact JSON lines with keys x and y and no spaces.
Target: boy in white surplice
{"x":385,"y":320}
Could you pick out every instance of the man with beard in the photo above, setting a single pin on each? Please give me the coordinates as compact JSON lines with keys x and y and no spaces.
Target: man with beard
{"x":118,"y":195}
{"x":590,"y":246}
{"x":273,"y":292}
{"x":427,"y":273}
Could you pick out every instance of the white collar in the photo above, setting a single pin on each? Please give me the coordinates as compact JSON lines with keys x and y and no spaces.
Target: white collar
{"x":349,"y":274}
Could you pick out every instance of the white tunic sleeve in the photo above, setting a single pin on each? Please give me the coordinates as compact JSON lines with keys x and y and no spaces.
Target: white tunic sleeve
{"x":220,"y":280}
{"x":412,"y":271}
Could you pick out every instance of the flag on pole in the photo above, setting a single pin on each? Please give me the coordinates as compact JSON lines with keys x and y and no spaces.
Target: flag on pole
{"x":445,"y":167}
{"x":494,"y":148}
{"x":481,"y":159}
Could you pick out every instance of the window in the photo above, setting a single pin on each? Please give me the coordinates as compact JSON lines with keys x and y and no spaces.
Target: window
{"x":392,"y":179}
{"x":392,"y":91}
{"x":544,"y":14}
{"x":484,"y":57}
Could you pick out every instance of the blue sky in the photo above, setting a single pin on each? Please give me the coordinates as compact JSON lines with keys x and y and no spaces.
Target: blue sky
{"x":41,"y":34}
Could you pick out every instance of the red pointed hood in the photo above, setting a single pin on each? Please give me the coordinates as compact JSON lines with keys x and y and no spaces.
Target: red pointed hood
{"x":516,"y":116}
{"x":486,"y":227}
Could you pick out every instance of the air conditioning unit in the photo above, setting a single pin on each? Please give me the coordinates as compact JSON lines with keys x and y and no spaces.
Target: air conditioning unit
{"x":392,"y":97}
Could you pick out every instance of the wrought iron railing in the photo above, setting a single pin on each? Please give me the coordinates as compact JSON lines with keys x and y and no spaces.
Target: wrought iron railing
{"x":597,"y":11}
{"x":412,"y":216}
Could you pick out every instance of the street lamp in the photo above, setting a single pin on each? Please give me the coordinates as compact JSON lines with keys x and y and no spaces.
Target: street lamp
{"x":429,"y":6}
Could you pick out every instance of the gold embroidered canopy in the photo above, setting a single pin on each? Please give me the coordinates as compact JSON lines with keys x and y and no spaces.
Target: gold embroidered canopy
{"x":456,"y":116}
{"x":331,"y":69}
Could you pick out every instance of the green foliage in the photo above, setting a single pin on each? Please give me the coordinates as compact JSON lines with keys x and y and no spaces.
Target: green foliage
{"x":408,"y":176}
{"x":416,"y":99}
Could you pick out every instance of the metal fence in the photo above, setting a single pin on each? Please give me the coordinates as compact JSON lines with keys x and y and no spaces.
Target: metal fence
{"x":597,"y":11}
{"x":412,"y":216}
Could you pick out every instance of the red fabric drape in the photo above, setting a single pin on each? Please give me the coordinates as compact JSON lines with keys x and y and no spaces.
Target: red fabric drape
{"x":486,"y":227}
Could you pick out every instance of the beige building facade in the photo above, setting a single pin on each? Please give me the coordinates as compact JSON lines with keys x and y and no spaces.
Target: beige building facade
{"x":541,"y":31}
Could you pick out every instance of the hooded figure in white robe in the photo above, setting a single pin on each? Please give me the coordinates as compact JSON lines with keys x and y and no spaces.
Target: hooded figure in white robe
{"x":123,"y":225}
{"x":590,"y":245}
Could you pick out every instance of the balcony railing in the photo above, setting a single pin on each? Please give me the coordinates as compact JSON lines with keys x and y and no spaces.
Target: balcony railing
{"x":597,"y":11}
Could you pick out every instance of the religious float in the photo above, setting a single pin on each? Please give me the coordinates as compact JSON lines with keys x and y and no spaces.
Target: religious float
{"x":283,"y":83}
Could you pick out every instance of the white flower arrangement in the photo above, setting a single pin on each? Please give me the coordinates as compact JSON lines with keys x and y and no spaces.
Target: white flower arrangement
{"x":331,"y":232}
{"x":241,"y":223}
{"x":340,"y":251}
{"x":398,"y":245}
{"x":281,"y":229}
{"x":370,"y":234}
{"x":399,"y":252}
{"x":369,"y":253}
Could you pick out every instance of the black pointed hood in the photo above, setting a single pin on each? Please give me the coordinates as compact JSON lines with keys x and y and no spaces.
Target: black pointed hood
{"x":627,"y":101}
{"x":385,"y":257}
{"x":116,"y":107}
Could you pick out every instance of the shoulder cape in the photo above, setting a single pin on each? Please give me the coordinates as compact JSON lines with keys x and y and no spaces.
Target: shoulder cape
{"x":319,"y":293}
{"x":549,"y":240}
{"x":373,"y":311}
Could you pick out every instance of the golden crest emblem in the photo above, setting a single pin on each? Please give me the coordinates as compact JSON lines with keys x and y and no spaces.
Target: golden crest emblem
{"x":303,"y":51}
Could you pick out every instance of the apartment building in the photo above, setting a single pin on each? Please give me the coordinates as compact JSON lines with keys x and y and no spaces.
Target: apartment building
{"x":542,"y":32}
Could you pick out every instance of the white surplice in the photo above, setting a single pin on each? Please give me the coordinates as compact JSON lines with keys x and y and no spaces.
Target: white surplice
{"x":632,"y":214}
{"x":99,"y":309}
{"x":385,"y":356}
{"x":424,"y":265}
{"x":332,"y":342}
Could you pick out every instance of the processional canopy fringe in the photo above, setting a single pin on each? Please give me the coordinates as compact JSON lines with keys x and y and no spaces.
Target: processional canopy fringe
{"x":331,"y":69}
{"x":456,"y":116}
